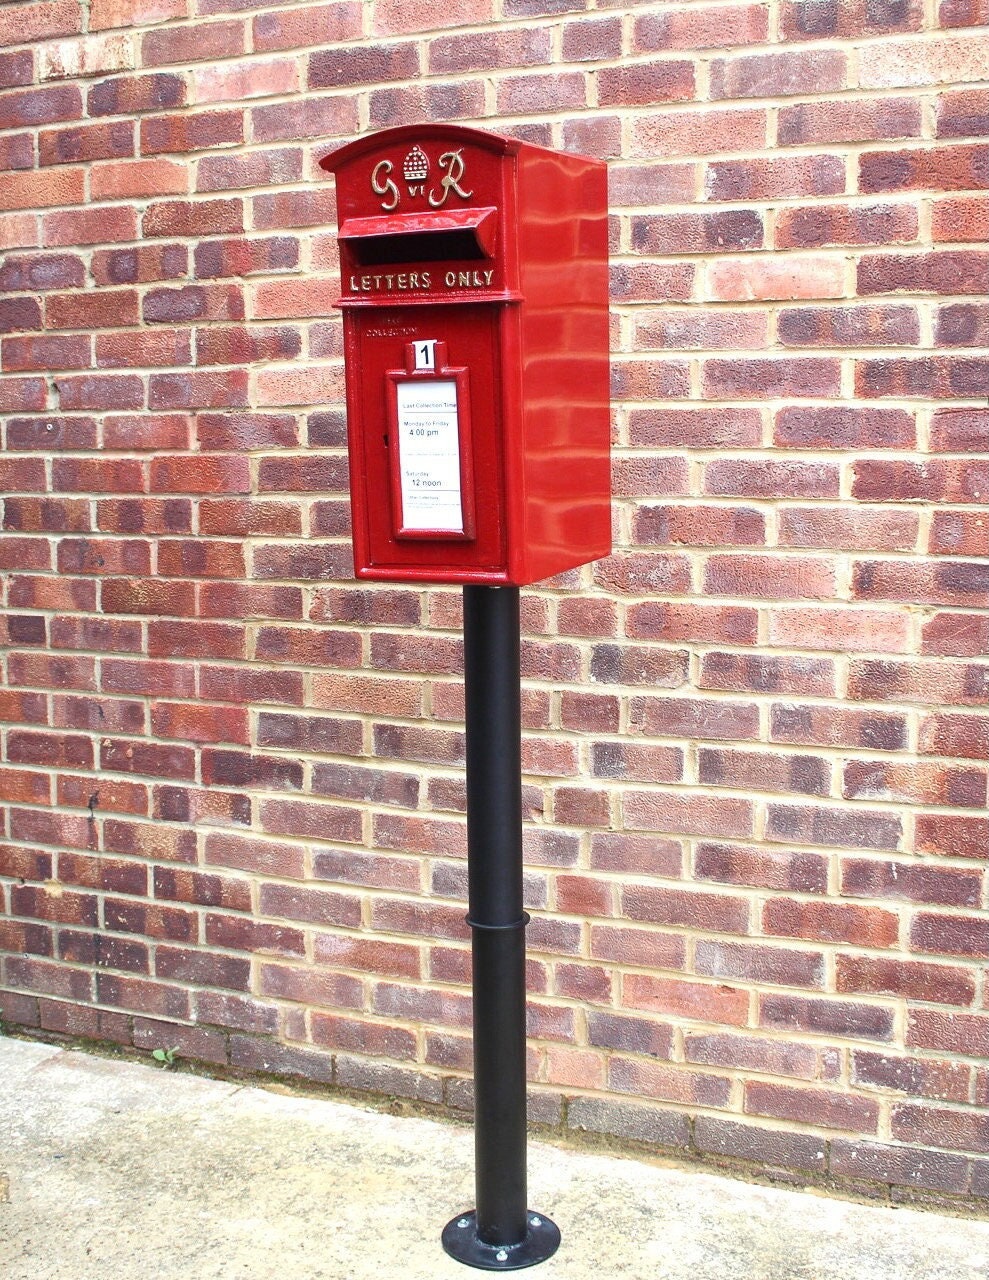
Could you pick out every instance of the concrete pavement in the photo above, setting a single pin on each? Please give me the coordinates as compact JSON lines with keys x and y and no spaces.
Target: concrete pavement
{"x":117,"y":1169}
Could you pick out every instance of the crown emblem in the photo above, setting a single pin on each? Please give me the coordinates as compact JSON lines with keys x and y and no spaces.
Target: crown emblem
{"x":415,"y":166}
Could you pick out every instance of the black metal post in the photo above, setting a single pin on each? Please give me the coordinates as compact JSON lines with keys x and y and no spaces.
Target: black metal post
{"x":501,"y":1234}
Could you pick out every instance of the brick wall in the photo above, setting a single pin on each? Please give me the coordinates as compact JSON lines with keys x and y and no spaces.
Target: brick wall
{"x":231,"y":796}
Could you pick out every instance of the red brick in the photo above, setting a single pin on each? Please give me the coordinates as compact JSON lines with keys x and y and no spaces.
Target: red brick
{"x":20,"y":230}
{"x":850,"y":120}
{"x":127,"y":350}
{"x":126,"y":13}
{"x":847,"y":828}
{"x":319,"y":821}
{"x":717,"y":624}
{"x":817,"y":19}
{"x":364,"y":65}
{"x":838,"y":427}
{"x":659,"y":234}
{"x":764,"y":771}
{"x":452,"y":101}
{"x":830,"y":922}
{"x":919,"y":1077}
{"x":143,"y":515}
{"x":47,"y":592}
{"x":953,"y":168}
{"x":957,"y":583}
{"x":931,"y":983}
{"x":56,"y":353}
{"x":38,"y":826}
{"x":151,"y":760}
{"x":196,"y":639}
{"x":193,"y":218}
{"x":954,"y":734}
{"x":64,"y":907}
{"x":123,"y":179}
{"x":219,"y":258}
{"x":142,"y":996}
{"x":313,"y":117}
{"x":699,"y":133}
{"x":241,"y":933}
{"x":951,"y":835}
{"x":102,"y":391}
{"x":38,"y":106}
{"x":650,"y":1079}
{"x":638,"y":664}
{"x":645,"y":83}
{"x":959,"y":1130}
{"x":114,"y":796}
{"x":826,"y":1017}
{"x":40,"y":22}
{"x":89,"y":226}
{"x":753,"y":1053}
{"x":196,"y":42}
{"x":962,"y":1033}
{"x":959,"y":430}
{"x":920,"y":783}
{"x":259,"y":168}
{"x":762,"y":673}
{"x":672,"y":813}
{"x":822,"y":1108}
{"x":949,"y":934}
{"x":941,"y":377}
{"x":962,"y":325}
{"x":959,"y":219}
{"x":190,"y":131}
{"x":139,"y":265}
{"x":19,"y":314}
{"x":771,"y":478}
{"x":786,"y":177}
{"x":650,"y":379}
{"x":786,"y":278}
{"x":25,"y":786}
{"x":16,"y":150}
{"x":130,"y":94}
{"x":700,"y":1002}
{"x":693,"y":718}
{"x":23,"y":395}
{"x":949,"y":60}
{"x":99,"y":308}
{"x":524,"y":95}
{"x":248,"y":78}
{"x":771,"y":577}
{"x":53,"y":979}
{"x":235,"y":600}
{"x":842,"y":529}
{"x":39,"y":272}
{"x":761,"y":868}
{"x":859,"y":326}
{"x":768,"y":379}
{"x":703,"y":27}
{"x":963,"y":13}
{"x":945,"y":271}
{"x":771,"y":75}
{"x":842,"y":629}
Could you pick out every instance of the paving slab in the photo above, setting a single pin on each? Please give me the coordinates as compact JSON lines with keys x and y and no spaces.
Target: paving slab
{"x":120,"y":1169}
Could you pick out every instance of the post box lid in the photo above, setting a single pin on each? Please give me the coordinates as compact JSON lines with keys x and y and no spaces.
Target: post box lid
{"x":455,"y":133}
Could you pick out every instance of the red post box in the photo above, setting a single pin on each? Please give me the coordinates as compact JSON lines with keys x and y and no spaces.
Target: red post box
{"x":474,"y":274}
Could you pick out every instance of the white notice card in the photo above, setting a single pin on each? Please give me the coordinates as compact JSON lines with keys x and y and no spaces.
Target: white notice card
{"x":429,"y":455}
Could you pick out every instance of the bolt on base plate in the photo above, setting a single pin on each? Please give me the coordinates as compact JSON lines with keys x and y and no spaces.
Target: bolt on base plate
{"x":461,"y":1241}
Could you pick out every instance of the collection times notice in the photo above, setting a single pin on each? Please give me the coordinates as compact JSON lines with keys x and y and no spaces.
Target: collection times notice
{"x":429,"y":456}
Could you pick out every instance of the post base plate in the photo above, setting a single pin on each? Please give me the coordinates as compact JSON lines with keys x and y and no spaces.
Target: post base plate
{"x":461,"y":1241}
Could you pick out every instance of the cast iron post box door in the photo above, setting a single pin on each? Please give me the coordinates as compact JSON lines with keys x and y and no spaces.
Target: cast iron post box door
{"x":474,"y":284}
